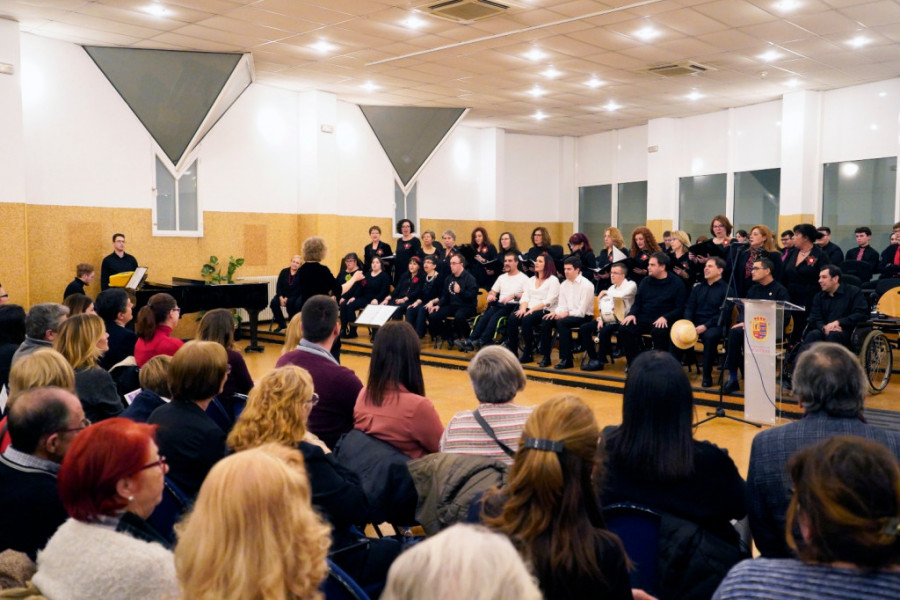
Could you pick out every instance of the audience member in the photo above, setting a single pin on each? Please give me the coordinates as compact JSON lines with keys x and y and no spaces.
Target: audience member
{"x":154,"y":326}
{"x":830,"y":386}
{"x":154,"y":389}
{"x":110,"y":482}
{"x":41,"y":424}
{"x":502,"y":300}
{"x":12,"y":334}
{"x":79,"y":304}
{"x":118,"y":261}
{"x":574,"y":308}
{"x":276,"y":412}
{"x":608,"y":323}
{"x":82,"y":340}
{"x":218,"y":326}
{"x":253,"y":532}
{"x":549,"y":509}
{"x":114,"y":306}
{"x":84,"y":275}
{"x":443,"y":568}
{"x":190,"y":439}
{"x":41,"y":328}
{"x":844,"y":523}
{"x":393,"y":407}
{"x":292,"y":335}
{"x":337,"y":386}
{"x":494,"y":428}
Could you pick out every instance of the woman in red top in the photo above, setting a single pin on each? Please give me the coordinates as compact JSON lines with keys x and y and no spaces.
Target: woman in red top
{"x":154,"y":326}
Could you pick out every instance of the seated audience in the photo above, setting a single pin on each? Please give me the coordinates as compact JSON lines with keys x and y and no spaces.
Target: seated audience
{"x":393,"y":407}
{"x":843,"y":522}
{"x":337,"y":386}
{"x":830,"y":386}
{"x":115,"y":308}
{"x":79,"y":304}
{"x":42,"y":424}
{"x":110,"y":482}
{"x":154,"y":378}
{"x":574,"y":308}
{"x":84,"y":275}
{"x":607,"y":324}
{"x":653,"y":459}
{"x":549,"y":509}
{"x":12,"y":334}
{"x":154,"y":326}
{"x":494,"y":428}
{"x":276,"y":412}
{"x":41,"y":327}
{"x":253,"y":532}
{"x":191,"y":441}
{"x":218,"y":326}
{"x":502,"y":300}
{"x":440,"y":568}
{"x":538,"y":300}
{"x":292,"y":335}
{"x":432,"y":287}
{"x":287,"y":294}
{"x":82,"y":340}
{"x":836,"y":310}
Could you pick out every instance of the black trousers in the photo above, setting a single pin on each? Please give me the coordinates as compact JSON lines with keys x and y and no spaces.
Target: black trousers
{"x":564,"y":330}
{"x":604,"y":339}
{"x":437,"y":321}
{"x":487,"y":323}
{"x":525,"y":326}
{"x":293,"y":307}
{"x":630,"y":337}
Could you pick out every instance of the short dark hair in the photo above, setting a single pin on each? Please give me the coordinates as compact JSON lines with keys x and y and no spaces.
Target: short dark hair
{"x":12,"y":324}
{"x":825,"y":229}
{"x":412,"y":226}
{"x":864,"y":230}
{"x":787,"y":233}
{"x":833,"y":270}
{"x":662,"y":259}
{"x":318,"y":318}
{"x":574,"y":261}
{"x":765,"y":263}
{"x":374,"y":228}
{"x":115,"y":235}
{"x":83,"y":269}
{"x":741,"y":232}
{"x":430,"y":258}
{"x":807,"y":231}
{"x":37,"y":413}
{"x":462,"y":259}
{"x":110,"y":302}
{"x":512,"y":253}
{"x":620,"y":265}
{"x":828,"y":378}
{"x":718,"y":260}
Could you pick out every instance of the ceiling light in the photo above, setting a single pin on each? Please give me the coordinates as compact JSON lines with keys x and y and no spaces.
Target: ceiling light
{"x":769,"y":56}
{"x":858,"y":42}
{"x":323,"y":47}
{"x":537,"y":91}
{"x":612,"y":106}
{"x":535,"y":54}
{"x":694,"y":95}
{"x":551,"y":72}
{"x":369,"y":86}
{"x":793,"y":82}
{"x":647,"y":33}
{"x":156,"y":9}
{"x":539,"y":116}
{"x":413,"y":22}
{"x":593,"y":82}
{"x":882,"y":94}
{"x":787,"y":5}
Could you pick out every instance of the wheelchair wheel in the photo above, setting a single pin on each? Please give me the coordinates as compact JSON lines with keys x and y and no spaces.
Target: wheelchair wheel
{"x":877,"y":359}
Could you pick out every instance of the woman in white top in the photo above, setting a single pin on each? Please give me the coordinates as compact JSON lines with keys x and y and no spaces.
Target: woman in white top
{"x":608,"y":323}
{"x":539,"y":298}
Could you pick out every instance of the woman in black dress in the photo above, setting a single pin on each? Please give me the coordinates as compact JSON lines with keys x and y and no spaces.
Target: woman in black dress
{"x":801,"y":274}
{"x":612,"y":238}
{"x":485,"y":252}
{"x":373,"y":289}
{"x":643,"y":244}
{"x":408,"y":289}
{"x":681,"y":265}
{"x":432,"y":286}
{"x":540,"y":243}
{"x":428,"y":247}
{"x":407,"y":246}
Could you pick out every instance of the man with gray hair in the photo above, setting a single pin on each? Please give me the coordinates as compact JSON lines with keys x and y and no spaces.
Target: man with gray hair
{"x":494,"y":428}
{"x":41,"y":326}
{"x":42,"y":423}
{"x":830,"y":385}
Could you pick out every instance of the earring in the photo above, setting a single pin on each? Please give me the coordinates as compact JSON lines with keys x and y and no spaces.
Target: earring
{"x":131,"y":498}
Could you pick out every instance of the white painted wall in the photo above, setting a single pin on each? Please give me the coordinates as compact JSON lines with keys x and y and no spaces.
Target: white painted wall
{"x":861,"y":122}
{"x":452,"y":184}
{"x":365,"y":182}
{"x":756,"y":139}
{"x":12,"y":147}
{"x":533,"y":178}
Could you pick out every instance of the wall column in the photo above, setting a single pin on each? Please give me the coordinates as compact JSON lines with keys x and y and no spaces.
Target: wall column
{"x":801,"y":175}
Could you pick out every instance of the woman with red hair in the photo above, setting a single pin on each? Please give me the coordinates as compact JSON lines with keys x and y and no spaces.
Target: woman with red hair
{"x":110,"y":482}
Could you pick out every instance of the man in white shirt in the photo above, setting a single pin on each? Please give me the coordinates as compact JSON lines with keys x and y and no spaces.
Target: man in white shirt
{"x":502,"y":300}
{"x":574,"y":308}
{"x":607,"y":325}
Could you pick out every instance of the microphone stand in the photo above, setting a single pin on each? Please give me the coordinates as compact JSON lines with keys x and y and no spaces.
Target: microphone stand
{"x":719,"y":412}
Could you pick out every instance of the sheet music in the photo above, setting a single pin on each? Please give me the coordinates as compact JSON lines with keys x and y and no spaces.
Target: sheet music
{"x":376,"y":315}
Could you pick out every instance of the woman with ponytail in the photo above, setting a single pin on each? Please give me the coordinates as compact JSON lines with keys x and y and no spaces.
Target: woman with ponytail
{"x":549,"y":509}
{"x":154,"y":325}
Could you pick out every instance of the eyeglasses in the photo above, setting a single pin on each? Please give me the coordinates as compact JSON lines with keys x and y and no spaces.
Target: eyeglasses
{"x":315,"y":399}
{"x":177,"y":309}
{"x":160,"y":462}
{"x":85,"y":423}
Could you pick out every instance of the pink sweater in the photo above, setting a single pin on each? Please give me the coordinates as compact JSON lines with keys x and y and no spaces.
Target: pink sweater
{"x":407,"y":421}
{"x":162,"y":343}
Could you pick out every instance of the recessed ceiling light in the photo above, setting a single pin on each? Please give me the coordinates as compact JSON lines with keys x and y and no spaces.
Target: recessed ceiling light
{"x":535,"y":54}
{"x":413,"y":22}
{"x":539,"y":116}
{"x":537,"y":91}
{"x":551,"y":72}
{"x":769,"y":56}
{"x":323,"y":47}
{"x":694,"y":95}
{"x":787,"y":5}
{"x":156,"y":9}
{"x":369,"y":86}
{"x":612,"y":106}
{"x":647,"y":33}
{"x":858,"y":42}
{"x":873,"y":127}
{"x":593,"y":82}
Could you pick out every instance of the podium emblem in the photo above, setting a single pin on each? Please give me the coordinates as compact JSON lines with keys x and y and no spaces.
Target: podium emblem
{"x":759,"y":328}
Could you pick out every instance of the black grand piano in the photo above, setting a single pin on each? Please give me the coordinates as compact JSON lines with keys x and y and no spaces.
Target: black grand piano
{"x":194,"y":295}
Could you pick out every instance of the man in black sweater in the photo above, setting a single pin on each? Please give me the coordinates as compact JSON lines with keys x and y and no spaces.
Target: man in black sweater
{"x":84,"y":275}
{"x":659,"y":303}
{"x":42,"y":423}
{"x":832,"y":251}
{"x":704,"y":307}
{"x":459,"y":300}
{"x":116,"y":262}
{"x":836,"y":310}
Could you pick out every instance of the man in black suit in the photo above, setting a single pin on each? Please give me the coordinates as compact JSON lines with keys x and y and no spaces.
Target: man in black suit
{"x":118,"y":261}
{"x":833,"y":251}
{"x":863,"y":251}
{"x":836,"y":310}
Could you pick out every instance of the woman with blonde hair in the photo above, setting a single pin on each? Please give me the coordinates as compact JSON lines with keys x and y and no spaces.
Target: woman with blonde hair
{"x":253,"y":532}
{"x":293,"y":334}
{"x":82,"y":340}
{"x":762,"y":245}
{"x":277,"y":412}
{"x":681,"y":264}
{"x":316,"y":278}
{"x":550,"y":512}
{"x":612,"y":238}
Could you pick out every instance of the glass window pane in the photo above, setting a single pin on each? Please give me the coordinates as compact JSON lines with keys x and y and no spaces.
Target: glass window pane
{"x":700,"y":198}
{"x":632,"y":208}
{"x":595,"y":212}
{"x":757,"y":195}
{"x":187,"y":199}
{"x":165,"y":198}
{"x":859,"y":192}
{"x":404,"y":209}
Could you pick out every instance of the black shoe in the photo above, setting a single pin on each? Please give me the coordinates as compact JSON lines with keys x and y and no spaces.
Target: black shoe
{"x":707,"y":382}
{"x":732,"y":386}
{"x":526,"y":358}
{"x":593,"y":365}
{"x":476,"y":345}
{"x":461,"y":345}
{"x":545,"y":362}
{"x":279,"y":329}
{"x":351,"y":333}
{"x":564,"y":364}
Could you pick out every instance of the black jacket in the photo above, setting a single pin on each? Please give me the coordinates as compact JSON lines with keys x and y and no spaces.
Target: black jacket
{"x":847,"y":306}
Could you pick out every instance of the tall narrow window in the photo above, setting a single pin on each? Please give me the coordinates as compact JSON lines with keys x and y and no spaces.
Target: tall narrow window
{"x":594,"y":212}
{"x":757,"y":198}
{"x":632,"y":207}
{"x":700,"y":198}
{"x":859,"y":192}
{"x":405,"y":206}
{"x":177,"y":209}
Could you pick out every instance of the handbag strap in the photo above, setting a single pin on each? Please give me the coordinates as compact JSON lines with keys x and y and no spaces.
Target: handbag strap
{"x":488,"y":430}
